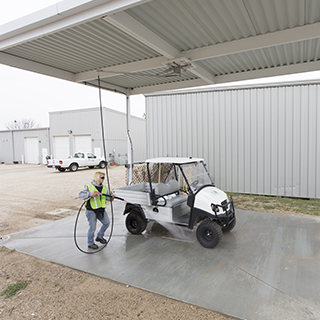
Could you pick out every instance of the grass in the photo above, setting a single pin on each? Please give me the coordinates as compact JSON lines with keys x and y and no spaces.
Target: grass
{"x":12,"y":289}
{"x":276,"y":204}
{"x":10,"y":311}
{"x":3,"y":248}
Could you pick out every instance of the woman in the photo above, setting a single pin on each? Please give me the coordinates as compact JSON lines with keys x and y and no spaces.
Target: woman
{"x":96,"y":192}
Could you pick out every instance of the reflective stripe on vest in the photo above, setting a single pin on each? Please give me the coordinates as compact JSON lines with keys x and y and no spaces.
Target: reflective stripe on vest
{"x":98,"y":201}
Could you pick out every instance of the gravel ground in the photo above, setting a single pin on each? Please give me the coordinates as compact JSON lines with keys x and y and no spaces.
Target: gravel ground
{"x":29,"y":195}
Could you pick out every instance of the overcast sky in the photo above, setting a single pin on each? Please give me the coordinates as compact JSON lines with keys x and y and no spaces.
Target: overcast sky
{"x":25,"y":94}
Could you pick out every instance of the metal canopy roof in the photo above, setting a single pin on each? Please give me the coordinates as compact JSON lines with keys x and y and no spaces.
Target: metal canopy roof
{"x":147,"y":46}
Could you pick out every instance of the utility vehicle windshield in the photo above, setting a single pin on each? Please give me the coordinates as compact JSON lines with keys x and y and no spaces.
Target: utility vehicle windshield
{"x":195,"y":174}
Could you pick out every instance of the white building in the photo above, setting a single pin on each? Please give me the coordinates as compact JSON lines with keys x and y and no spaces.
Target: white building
{"x":72,"y":131}
{"x":24,"y":145}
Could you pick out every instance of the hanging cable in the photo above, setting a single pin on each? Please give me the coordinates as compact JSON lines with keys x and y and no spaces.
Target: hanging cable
{"x":105,"y":157}
{"x":108,"y":182}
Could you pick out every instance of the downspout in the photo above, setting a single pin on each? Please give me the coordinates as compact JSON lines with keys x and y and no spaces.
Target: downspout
{"x":130,"y":144}
{"x":13,"y":153}
{"x":49,"y":141}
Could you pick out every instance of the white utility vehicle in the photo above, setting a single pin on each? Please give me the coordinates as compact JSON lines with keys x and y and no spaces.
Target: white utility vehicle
{"x":79,"y":159}
{"x":179,"y":191}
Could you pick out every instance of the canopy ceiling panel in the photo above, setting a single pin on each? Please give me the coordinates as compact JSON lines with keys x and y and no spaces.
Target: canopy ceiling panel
{"x":85,"y":47}
{"x":272,"y":57}
{"x":148,"y":46}
{"x":147,"y":78}
{"x":198,"y":23}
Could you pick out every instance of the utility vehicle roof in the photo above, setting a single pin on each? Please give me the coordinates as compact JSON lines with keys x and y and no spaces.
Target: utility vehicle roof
{"x":174,"y":160}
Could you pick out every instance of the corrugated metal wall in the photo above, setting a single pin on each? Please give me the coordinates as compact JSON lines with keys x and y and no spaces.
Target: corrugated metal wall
{"x":6,"y":147}
{"x":12,"y":147}
{"x":255,"y":140}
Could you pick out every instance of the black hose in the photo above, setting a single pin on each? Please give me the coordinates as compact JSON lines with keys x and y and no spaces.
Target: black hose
{"x":76,"y":225}
{"x":75,"y":234}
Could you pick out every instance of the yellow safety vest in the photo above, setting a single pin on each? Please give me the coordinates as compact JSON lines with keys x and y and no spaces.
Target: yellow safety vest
{"x":99,"y":201}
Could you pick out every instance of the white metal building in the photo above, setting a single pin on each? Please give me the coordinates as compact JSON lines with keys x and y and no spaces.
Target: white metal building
{"x":72,"y":131}
{"x":80,"y":130}
{"x":24,"y":145}
{"x":259,"y":140}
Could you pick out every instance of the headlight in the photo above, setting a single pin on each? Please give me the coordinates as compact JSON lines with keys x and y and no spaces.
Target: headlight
{"x":214,"y":208}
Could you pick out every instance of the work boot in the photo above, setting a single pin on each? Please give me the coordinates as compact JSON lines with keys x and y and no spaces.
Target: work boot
{"x":101,"y":240}
{"x":93,"y":246}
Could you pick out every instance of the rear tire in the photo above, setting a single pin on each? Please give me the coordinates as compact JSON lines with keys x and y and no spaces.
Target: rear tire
{"x":73,"y":167}
{"x":91,"y":167}
{"x":61,"y":169}
{"x":102,"y":164}
{"x":135,"y":223}
{"x":209,"y":234}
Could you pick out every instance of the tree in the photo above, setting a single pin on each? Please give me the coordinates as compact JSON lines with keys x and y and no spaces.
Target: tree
{"x":22,"y":124}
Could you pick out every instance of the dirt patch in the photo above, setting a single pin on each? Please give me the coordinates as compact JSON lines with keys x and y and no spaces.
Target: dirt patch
{"x":35,"y":195}
{"x":283,"y":205}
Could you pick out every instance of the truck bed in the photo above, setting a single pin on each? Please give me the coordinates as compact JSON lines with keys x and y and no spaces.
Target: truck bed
{"x":140,"y":193}
{"x":137,"y":193}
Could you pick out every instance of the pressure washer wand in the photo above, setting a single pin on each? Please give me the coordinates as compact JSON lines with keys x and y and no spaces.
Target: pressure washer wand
{"x":111,"y":198}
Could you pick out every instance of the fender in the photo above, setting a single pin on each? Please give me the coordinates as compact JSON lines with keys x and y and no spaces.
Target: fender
{"x":130,"y":206}
{"x":191,"y":196}
{"x":196,"y":213}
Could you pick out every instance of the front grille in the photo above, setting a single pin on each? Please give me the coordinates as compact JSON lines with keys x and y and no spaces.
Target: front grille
{"x":224,"y":205}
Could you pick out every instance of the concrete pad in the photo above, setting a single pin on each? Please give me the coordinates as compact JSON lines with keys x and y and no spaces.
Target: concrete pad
{"x":266,"y":268}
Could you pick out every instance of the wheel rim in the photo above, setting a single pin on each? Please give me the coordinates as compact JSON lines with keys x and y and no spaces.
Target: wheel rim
{"x":208,"y":235}
{"x":134,"y":224}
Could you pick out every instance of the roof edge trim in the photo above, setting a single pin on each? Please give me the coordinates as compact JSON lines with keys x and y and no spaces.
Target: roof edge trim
{"x":58,"y":17}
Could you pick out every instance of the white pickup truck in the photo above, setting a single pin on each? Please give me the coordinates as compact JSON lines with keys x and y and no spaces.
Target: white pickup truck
{"x":79,"y":159}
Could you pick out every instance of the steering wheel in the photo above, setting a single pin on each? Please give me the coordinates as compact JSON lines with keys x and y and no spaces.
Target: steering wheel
{"x":194,"y":183}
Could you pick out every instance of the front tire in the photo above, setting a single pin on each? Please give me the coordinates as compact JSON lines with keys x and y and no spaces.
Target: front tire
{"x":209,"y":234}
{"x":73,"y":167}
{"x":102,"y":164}
{"x":135,"y":223}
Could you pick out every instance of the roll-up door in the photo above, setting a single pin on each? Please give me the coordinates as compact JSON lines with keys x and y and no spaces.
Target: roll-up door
{"x":82,"y":143}
{"x":61,"y":147}
{"x":31,"y":150}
